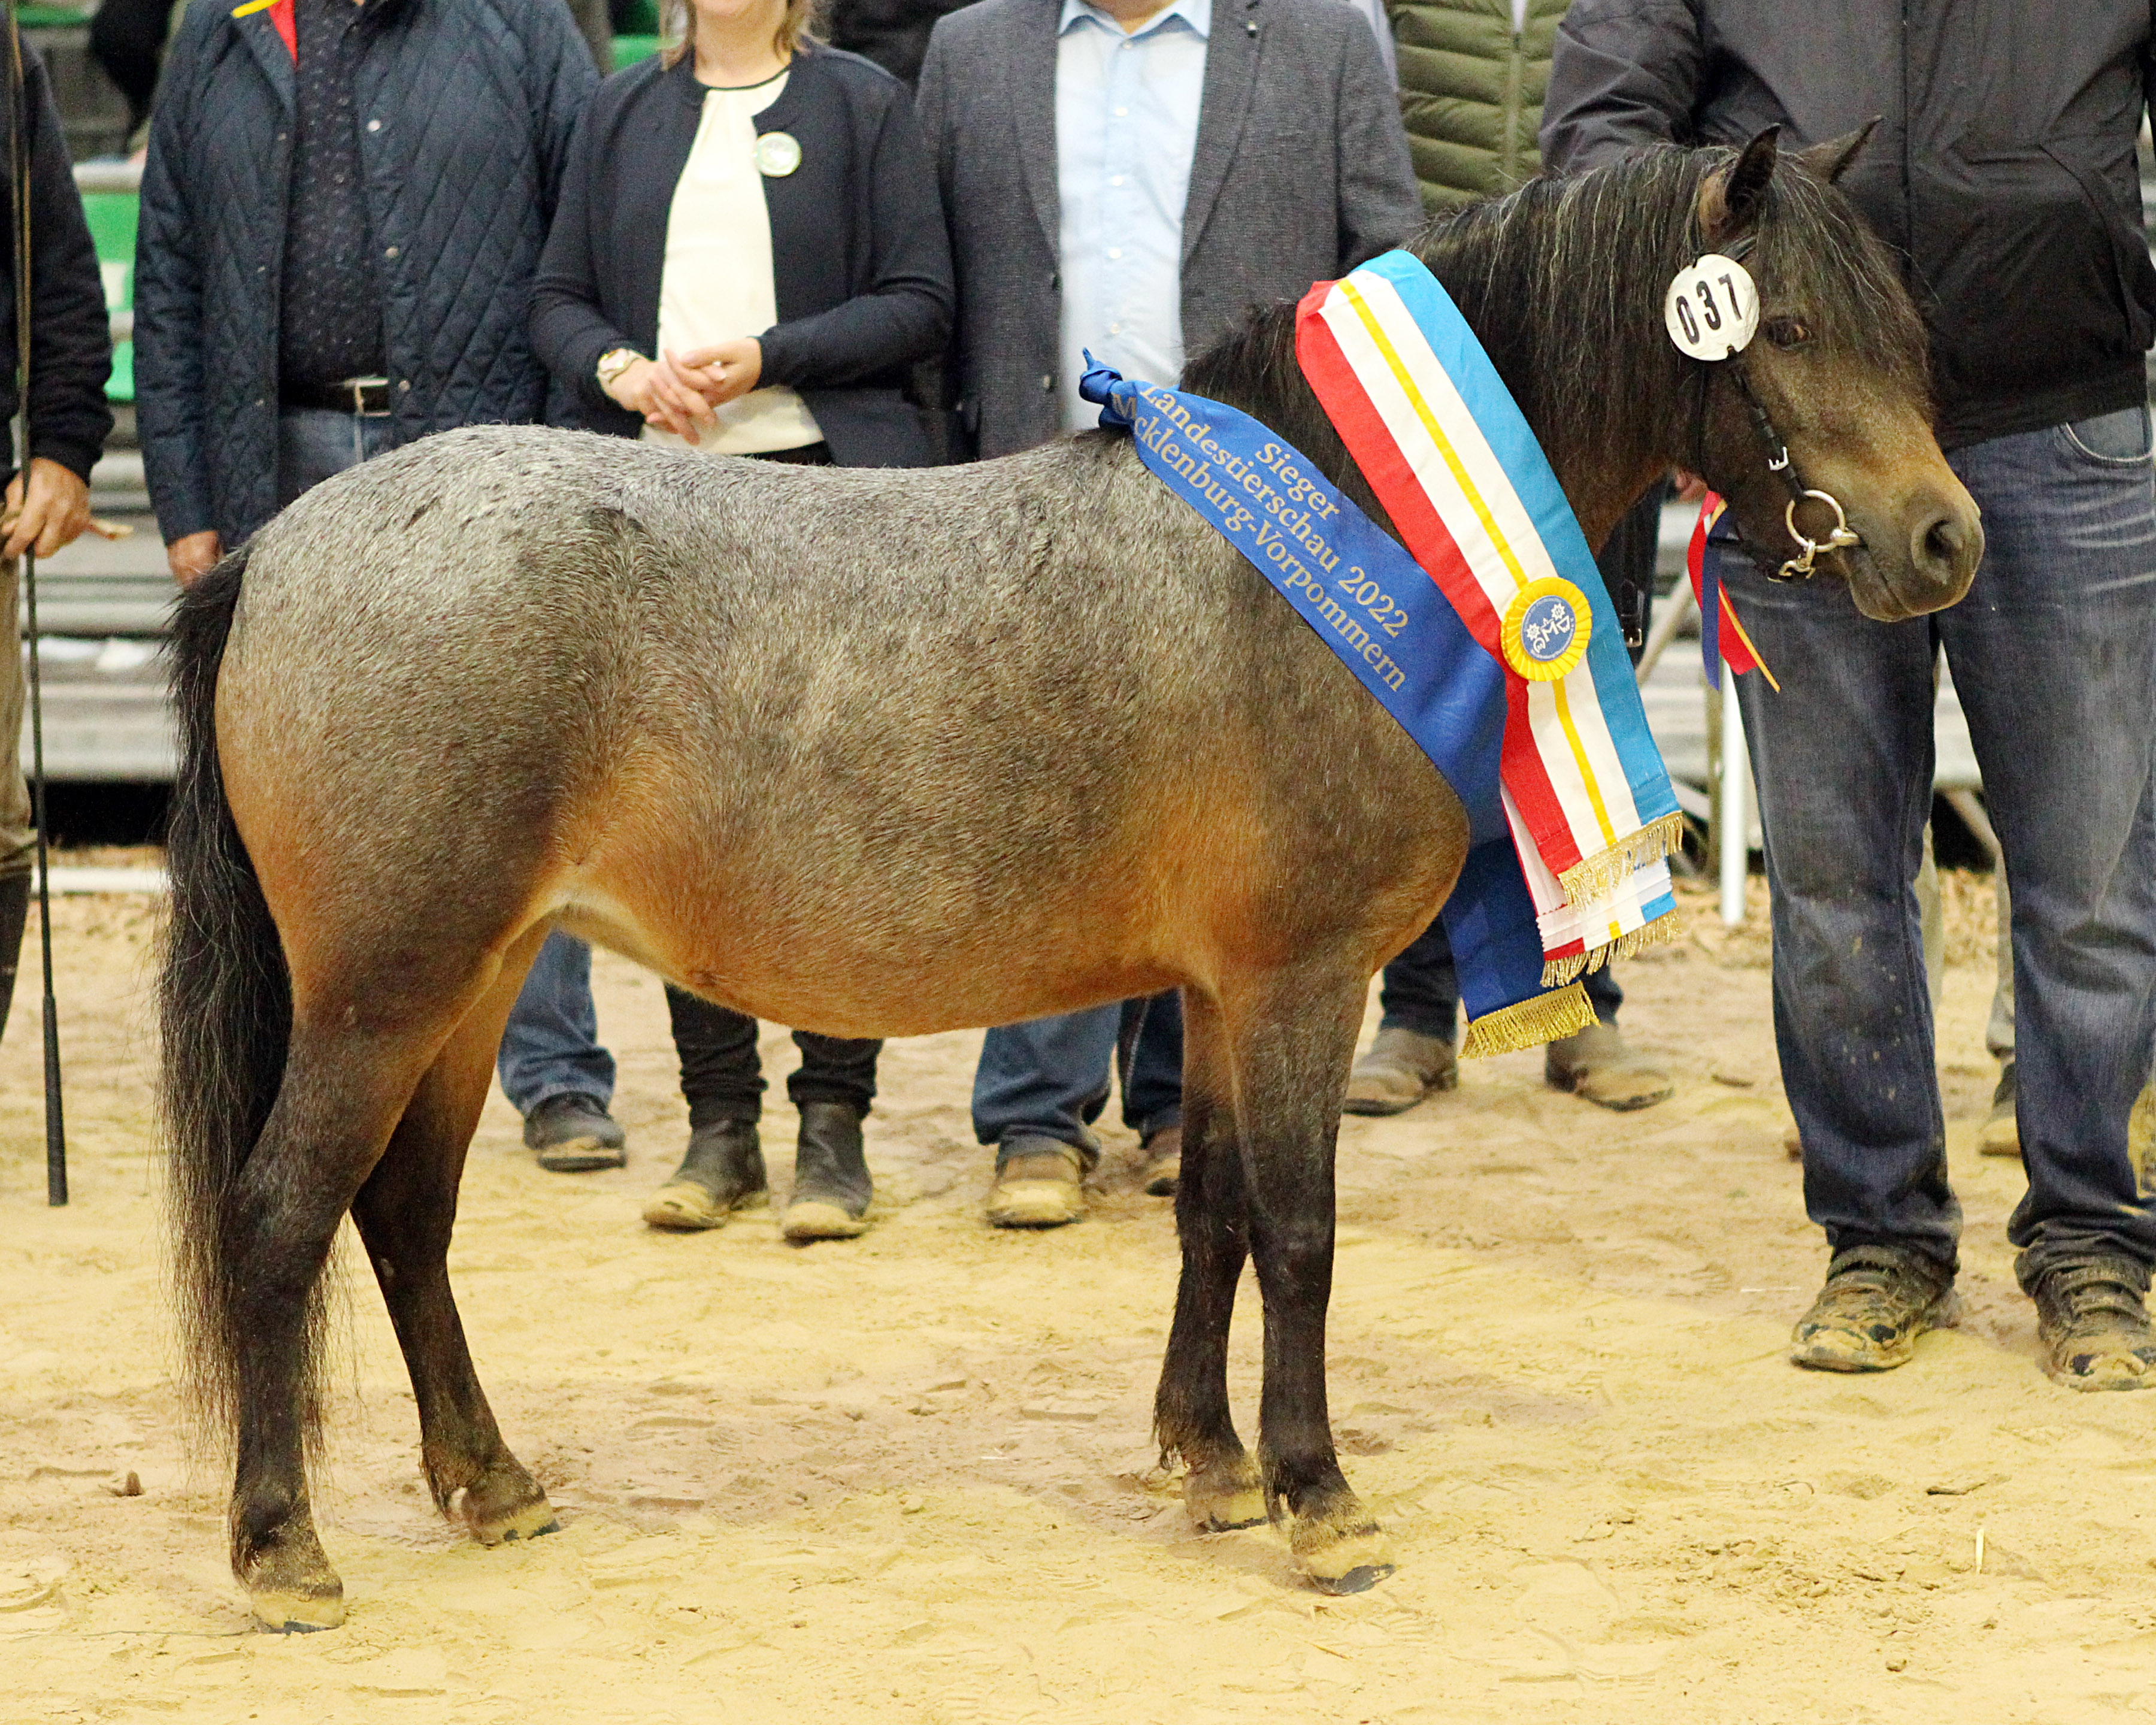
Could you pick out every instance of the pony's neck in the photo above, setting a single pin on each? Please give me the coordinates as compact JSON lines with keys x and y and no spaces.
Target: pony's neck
{"x":1562,"y":283}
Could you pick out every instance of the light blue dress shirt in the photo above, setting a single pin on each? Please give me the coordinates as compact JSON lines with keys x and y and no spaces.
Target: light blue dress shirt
{"x":1126,"y":129}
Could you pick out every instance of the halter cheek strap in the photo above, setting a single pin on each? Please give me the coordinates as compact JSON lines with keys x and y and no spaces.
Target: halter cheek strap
{"x":1839,"y":537}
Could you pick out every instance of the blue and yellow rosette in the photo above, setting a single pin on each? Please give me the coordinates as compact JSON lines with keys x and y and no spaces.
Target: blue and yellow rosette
{"x":1545,"y":629}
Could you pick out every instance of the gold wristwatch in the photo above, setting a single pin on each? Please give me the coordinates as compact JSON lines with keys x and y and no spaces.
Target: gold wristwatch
{"x":614,"y":363}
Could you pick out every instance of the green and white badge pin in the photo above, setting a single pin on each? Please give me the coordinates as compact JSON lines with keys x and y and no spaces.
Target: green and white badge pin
{"x":1711,"y":309}
{"x":777,"y":154}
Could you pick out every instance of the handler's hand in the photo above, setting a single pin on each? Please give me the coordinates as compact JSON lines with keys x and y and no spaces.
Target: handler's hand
{"x":722,"y":372}
{"x":54,"y":513}
{"x":193,"y":556}
{"x":663,"y":400}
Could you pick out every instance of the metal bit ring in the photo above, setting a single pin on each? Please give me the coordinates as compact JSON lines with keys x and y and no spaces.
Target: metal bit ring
{"x":1839,"y":537}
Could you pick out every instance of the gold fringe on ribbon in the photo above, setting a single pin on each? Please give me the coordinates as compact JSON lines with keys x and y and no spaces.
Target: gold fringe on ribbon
{"x":1596,"y":876}
{"x":1558,"y":972}
{"x":1529,"y":1024}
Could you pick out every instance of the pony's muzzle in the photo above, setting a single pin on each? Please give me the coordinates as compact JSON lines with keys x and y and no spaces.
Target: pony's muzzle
{"x":1946,"y":544}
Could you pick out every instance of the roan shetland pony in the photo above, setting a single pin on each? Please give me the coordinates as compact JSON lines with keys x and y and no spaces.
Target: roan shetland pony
{"x":882,"y":753}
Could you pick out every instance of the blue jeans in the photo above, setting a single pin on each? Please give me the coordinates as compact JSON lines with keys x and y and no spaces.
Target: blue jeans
{"x":1421,"y":988}
{"x":313,"y":443}
{"x":550,"y":1046}
{"x":1048,"y":1078}
{"x":2054,"y":655}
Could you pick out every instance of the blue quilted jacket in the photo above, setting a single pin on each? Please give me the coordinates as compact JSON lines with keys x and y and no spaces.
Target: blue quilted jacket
{"x":465,"y":108}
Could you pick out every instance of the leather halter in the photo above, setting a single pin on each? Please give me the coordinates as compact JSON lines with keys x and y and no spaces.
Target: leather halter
{"x":1779,"y":463}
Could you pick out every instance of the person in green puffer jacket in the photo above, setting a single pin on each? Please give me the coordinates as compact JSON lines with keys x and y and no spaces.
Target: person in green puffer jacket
{"x":1472,"y":74}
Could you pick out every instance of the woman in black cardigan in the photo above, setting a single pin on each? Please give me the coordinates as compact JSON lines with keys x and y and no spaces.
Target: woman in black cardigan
{"x":859,"y":260}
{"x":747,"y":258}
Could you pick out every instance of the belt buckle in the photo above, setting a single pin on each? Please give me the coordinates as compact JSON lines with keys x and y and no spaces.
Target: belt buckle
{"x":359,"y":386}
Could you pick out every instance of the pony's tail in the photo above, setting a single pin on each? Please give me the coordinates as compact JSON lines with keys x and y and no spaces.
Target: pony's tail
{"x":225,"y":1007}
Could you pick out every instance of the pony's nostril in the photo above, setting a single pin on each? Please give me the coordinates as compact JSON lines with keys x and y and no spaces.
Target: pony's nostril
{"x":1941,"y":546}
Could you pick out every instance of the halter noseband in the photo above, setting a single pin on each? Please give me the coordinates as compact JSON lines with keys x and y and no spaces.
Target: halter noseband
{"x":1839,"y":537}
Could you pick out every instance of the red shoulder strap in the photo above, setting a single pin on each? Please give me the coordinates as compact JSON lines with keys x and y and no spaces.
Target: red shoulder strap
{"x":280,"y":16}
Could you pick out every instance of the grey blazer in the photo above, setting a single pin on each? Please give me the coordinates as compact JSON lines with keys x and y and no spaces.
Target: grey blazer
{"x":1301,"y":172}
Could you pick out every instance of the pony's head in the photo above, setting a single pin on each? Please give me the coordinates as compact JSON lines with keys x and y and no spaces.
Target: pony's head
{"x":1564,"y":283}
{"x":1836,"y":372}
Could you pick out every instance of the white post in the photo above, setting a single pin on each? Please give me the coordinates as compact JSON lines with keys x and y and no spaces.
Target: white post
{"x":1730,"y":818}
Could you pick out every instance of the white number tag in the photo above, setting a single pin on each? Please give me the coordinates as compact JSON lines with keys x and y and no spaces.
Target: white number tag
{"x":1711,"y":309}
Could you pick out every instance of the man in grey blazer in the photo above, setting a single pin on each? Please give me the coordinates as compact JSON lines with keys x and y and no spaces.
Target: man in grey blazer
{"x":1128,"y":175}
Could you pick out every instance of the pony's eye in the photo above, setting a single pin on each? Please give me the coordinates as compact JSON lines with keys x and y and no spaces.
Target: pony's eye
{"x":1788,"y":331}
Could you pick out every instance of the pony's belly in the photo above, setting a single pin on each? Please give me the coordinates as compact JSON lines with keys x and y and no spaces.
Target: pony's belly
{"x":827,"y":981}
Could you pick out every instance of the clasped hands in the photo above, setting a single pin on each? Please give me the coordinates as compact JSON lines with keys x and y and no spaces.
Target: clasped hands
{"x":679,"y":392}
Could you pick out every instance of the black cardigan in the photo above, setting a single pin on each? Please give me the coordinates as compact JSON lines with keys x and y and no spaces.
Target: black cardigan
{"x":859,"y":257}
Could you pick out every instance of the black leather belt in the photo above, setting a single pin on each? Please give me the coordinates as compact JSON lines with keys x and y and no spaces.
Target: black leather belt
{"x":367,"y":396}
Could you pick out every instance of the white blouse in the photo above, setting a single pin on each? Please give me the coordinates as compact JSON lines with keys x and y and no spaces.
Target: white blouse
{"x":717,"y":284}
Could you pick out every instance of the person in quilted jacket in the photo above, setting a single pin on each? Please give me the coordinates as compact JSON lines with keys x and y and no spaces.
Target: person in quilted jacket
{"x":342,"y":212}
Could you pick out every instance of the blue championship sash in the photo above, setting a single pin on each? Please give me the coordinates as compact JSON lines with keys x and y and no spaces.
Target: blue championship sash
{"x":1384,"y":618}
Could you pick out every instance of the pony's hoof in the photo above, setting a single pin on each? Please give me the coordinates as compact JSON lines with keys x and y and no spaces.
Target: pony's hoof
{"x":1353,"y":1564}
{"x":1221,"y":1499}
{"x":528,"y":1518}
{"x":286,"y":1612}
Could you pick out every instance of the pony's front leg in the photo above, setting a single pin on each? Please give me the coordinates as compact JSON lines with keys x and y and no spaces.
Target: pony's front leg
{"x":1191,"y":1417}
{"x":1292,"y":1041}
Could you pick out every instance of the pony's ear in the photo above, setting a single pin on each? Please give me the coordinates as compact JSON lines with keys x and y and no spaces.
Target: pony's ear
{"x":1829,"y":161}
{"x":1729,"y":202}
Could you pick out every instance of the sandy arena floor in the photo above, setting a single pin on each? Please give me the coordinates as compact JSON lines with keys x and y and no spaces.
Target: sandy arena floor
{"x":908,"y":1478}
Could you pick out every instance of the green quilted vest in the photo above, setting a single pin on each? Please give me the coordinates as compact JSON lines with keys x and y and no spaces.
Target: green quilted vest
{"x":1472,"y":92}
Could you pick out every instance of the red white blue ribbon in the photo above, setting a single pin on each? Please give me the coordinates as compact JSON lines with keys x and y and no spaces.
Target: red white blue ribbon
{"x":1448,"y":452}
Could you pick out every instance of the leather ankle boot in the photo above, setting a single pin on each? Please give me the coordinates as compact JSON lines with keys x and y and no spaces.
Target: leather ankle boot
{"x":722,"y":1173}
{"x":831,"y":1184}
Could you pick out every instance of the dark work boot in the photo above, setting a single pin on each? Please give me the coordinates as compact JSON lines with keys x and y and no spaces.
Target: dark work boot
{"x":14,"y":912}
{"x":831,"y":1185}
{"x":574,"y":1134}
{"x":722,"y":1173}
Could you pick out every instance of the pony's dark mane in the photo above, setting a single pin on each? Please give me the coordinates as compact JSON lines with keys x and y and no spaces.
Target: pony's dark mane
{"x":1563,"y":280}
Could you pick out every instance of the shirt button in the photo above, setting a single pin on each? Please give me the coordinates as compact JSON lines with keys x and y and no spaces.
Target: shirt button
{"x":1115,"y":251}
{"x":1115,"y":329}
{"x":1123,"y":113}
{"x":390,"y":253}
{"x":374,"y":125}
{"x":1115,"y":179}
{"x":1047,"y":382}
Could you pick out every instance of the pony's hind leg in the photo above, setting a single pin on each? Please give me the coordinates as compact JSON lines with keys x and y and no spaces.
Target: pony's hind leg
{"x":1191,"y":1416}
{"x":405,"y":1212}
{"x":340,"y":1096}
{"x":1291,"y":1039}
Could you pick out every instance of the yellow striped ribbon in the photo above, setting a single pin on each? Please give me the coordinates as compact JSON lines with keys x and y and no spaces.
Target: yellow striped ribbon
{"x":1489,"y":523}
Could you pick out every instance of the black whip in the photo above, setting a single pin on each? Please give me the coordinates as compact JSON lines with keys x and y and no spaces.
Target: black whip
{"x":18,"y":179}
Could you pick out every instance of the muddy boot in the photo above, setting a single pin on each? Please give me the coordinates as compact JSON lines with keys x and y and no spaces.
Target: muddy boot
{"x":1040,"y":1183}
{"x":831,"y":1185}
{"x":1402,"y":1067}
{"x":573,"y":1134}
{"x":1596,"y":1064}
{"x":1876,"y":1301}
{"x":14,"y":912}
{"x":722,"y":1173}
{"x":2000,"y":1134}
{"x":1163,"y":1162}
{"x":2092,"y":1323}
